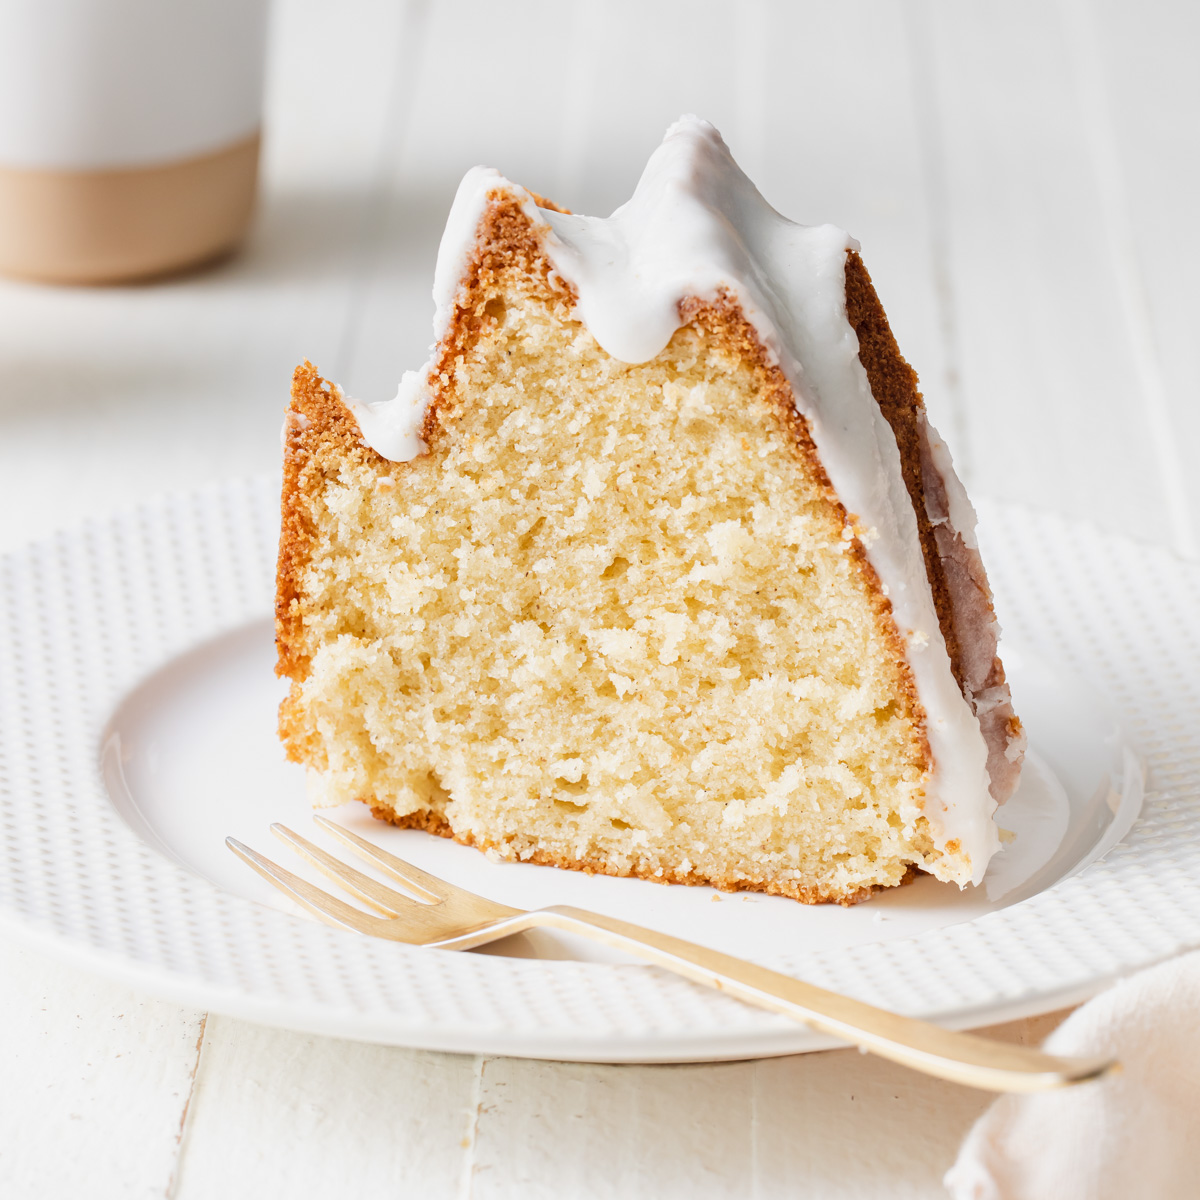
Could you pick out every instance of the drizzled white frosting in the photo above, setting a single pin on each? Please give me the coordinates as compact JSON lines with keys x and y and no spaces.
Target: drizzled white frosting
{"x":696,"y":226}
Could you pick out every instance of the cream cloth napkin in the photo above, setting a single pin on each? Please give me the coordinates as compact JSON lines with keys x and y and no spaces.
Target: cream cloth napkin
{"x":1131,"y":1135}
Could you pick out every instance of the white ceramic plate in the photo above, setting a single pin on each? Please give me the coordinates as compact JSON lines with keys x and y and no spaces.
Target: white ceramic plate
{"x":137,"y":709}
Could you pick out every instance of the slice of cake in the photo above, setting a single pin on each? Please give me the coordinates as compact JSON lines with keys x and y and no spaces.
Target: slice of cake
{"x":656,"y":567}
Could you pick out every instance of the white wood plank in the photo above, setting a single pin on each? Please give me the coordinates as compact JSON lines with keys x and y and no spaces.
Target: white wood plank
{"x":567,"y":97}
{"x":653,"y":63}
{"x":570,"y":1129}
{"x":839,"y":1126}
{"x":281,"y":1114}
{"x":96,"y":1083}
{"x":1050,"y":381}
{"x":1139,"y":84}
{"x":847,"y":1126}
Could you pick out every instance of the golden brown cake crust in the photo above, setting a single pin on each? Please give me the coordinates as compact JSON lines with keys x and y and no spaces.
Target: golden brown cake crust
{"x":965,"y":612}
{"x":894,"y":386}
{"x":434,"y":822}
{"x":317,"y":417}
{"x":506,"y":242}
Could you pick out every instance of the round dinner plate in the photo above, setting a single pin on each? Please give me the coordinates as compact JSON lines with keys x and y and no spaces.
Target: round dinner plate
{"x":137,"y":712}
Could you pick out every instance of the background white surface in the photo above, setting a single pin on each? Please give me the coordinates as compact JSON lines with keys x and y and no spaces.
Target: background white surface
{"x":1023,"y":180}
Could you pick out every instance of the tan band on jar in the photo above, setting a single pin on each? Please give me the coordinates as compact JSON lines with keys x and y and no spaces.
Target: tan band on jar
{"x":109,"y":226}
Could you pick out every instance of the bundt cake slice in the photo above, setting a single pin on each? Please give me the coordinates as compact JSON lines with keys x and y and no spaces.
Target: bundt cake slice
{"x":656,"y":567}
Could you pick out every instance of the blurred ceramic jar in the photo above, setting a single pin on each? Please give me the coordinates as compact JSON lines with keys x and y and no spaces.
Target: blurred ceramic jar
{"x":129,"y":134}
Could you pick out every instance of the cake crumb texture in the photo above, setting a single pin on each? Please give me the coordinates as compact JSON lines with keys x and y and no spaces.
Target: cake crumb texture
{"x":614,"y":619}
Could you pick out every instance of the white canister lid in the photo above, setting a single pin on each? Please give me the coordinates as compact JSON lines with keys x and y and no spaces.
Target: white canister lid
{"x":93,"y":84}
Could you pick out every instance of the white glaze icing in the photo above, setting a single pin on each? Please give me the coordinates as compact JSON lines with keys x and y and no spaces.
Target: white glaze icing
{"x":962,"y":511}
{"x":696,"y":226}
{"x":393,"y":427}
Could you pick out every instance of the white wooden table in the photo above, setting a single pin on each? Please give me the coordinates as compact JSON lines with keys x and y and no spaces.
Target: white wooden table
{"x":1023,"y":178}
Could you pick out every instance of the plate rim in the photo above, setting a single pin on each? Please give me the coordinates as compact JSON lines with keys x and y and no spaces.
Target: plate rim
{"x":787,"y":1039}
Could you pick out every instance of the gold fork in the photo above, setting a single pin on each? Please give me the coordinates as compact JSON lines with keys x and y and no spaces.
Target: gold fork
{"x":451,"y":918}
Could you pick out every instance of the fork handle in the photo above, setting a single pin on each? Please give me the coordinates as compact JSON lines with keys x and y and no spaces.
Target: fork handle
{"x":959,"y":1057}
